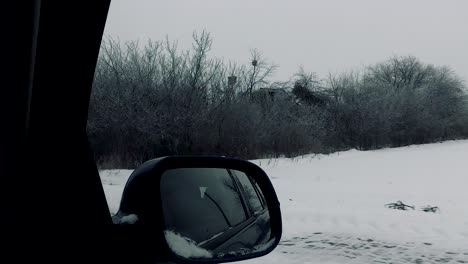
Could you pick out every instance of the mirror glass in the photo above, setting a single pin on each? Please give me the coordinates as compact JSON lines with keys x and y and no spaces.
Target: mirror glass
{"x":214,"y":213}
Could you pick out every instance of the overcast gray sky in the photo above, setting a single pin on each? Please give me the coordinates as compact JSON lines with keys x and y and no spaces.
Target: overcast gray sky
{"x":322,"y":36}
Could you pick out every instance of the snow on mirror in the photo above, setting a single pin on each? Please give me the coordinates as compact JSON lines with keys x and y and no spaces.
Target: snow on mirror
{"x":214,"y":213}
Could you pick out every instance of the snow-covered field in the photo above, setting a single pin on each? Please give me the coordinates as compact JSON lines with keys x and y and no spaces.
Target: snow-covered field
{"x":333,"y":206}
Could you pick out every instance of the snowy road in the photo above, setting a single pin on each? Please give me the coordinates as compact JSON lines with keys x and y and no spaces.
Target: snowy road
{"x":333,"y":206}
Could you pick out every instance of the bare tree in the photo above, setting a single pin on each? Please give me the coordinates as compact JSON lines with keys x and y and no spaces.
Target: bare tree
{"x":156,"y":99}
{"x":260,"y":72}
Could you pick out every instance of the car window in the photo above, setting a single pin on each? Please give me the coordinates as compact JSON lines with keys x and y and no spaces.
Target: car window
{"x":260,"y":194}
{"x":250,"y":191}
{"x":356,"y":110}
{"x":215,"y":203}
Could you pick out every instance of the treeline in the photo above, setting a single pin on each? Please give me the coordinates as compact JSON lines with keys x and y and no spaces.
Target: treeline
{"x":159,"y":100}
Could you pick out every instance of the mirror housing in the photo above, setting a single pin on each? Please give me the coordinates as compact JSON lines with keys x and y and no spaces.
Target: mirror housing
{"x":152,"y":205}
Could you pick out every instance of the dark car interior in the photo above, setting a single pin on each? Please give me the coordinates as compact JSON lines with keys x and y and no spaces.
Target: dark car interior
{"x":46,"y":142}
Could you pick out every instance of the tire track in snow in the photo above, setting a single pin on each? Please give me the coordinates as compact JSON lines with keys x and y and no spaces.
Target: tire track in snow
{"x":319,"y":247}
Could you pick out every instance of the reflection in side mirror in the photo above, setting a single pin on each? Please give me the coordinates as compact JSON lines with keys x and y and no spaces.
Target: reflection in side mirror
{"x":200,"y":209}
{"x":213,"y":213}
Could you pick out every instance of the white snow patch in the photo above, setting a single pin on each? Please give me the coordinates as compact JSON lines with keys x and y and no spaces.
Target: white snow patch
{"x":185,"y":247}
{"x":346,"y":193}
{"x":130,"y":219}
{"x":114,"y":182}
{"x":343,"y":195}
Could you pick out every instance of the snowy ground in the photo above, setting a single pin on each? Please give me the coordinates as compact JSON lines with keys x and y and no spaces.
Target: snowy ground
{"x":333,"y":206}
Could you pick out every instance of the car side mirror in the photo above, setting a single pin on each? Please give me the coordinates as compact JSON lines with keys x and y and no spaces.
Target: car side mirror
{"x":203,"y":209}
